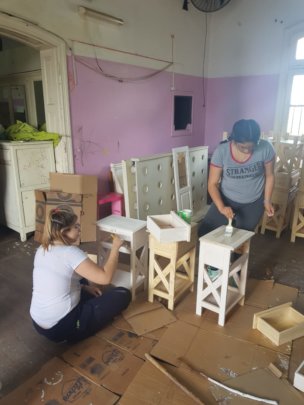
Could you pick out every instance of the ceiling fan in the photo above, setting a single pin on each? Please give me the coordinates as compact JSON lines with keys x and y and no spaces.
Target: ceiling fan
{"x":207,"y":6}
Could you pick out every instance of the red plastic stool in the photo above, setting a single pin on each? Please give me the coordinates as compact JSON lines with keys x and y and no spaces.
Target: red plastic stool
{"x":116,"y":201}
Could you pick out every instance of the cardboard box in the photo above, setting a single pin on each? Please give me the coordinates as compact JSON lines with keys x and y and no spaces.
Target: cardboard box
{"x":46,"y":200}
{"x":74,"y":183}
{"x":69,"y":191}
{"x":58,"y":383}
{"x":169,"y":228}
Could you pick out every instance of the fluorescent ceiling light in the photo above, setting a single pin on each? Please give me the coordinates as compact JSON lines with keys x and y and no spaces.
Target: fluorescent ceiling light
{"x":84,"y":11}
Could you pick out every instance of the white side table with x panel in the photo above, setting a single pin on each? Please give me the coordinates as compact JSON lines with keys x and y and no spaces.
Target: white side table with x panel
{"x":132,"y":269}
{"x":219,"y":251}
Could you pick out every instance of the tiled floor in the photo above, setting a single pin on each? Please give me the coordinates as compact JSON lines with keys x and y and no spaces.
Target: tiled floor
{"x":23,"y":351}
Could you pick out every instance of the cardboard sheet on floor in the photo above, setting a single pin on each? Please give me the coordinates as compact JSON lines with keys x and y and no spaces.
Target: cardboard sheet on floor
{"x":104,"y":363}
{"x":185,"y":310}
{"x":58,"y":383}
{"x":151,"y":386}
{"x":138,"y":345}
{"x":121,"y":323}
{"x":238,"y":323}
{"x":265,"y":293}
{"x":145,"y":316}
{"x":216,"y":355}
{"x":261,"y":383}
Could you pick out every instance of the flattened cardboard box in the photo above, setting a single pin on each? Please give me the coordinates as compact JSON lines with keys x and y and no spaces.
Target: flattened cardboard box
{"x":265,"y":293}
{"x":217,"y":355}
{"x":151,"y":386}
{"x":104,"y":363}
{"x":145,"y":316}
{"x":261,"y":383}
{"x":58,"y":383}
{"x":82,"y":205}
{"x":238,"y":323}
{"x":138,"y":345}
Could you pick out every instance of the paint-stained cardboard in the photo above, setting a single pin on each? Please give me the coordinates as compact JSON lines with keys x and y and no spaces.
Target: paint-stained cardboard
{"x":69,"y":191}
{"x":261,"y":383}
{"x":151,"y":386}
{"x":217,"y":355}
{"x":145,"y":316}
{"x":58,"y":383}
{"x":106,"y":364}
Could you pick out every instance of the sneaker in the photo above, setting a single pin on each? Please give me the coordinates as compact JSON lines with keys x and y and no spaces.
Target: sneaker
{"x":213,"y":273}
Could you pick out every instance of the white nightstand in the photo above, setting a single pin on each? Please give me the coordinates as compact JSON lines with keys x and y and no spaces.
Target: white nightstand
{"x":218,"y":250}
{"x":133,"y":260}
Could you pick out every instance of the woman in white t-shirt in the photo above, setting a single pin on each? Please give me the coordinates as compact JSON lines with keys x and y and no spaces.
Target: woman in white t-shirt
{"x":63,"y":308}
{"x":241,"y":179}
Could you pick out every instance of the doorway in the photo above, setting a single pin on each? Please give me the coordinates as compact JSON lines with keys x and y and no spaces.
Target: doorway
{"x":53,"y":53}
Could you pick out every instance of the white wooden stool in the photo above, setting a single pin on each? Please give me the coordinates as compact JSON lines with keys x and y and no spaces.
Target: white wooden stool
{"x":216,"y":250}
{"x":134,"y":233}
{"x":171,"y":268}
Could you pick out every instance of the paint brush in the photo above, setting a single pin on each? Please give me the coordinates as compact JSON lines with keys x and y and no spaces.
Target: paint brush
{"x":229,"y":228}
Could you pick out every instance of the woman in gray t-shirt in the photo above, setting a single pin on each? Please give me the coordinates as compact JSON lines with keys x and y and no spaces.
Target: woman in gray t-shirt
{"x":241,"y":179}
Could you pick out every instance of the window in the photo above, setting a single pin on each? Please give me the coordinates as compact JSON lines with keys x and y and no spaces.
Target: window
{"x":292,"y":87}
{"x":182,"y":114}
{"x":295,"y":122}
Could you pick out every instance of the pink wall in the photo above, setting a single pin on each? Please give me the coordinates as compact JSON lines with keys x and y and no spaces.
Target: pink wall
{"x":229,"y":99}
{"x":112,"y":121}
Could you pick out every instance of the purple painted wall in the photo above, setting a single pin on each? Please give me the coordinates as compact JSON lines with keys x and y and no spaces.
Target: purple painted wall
{"x":229,"y":99}
{"x":112,"y":121}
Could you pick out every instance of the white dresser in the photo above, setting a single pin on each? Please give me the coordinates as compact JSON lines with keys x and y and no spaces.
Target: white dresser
{"x":24,"y":167}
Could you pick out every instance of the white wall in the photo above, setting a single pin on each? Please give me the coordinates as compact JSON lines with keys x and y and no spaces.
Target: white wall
{"x":247,"y":36}
{"x":147,"y":30}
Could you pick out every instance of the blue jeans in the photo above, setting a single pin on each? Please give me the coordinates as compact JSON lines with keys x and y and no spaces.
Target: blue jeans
{"x":89,"y":316}
{"x":247,"y":216}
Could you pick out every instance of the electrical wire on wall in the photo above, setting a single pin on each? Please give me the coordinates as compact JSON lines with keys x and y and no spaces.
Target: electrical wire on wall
{"x":99,"y":69}
{"x":172,"y":58}
{"x":204,"y":59}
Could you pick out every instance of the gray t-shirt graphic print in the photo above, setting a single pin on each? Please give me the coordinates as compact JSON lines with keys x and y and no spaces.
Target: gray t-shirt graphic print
{"x":243,"y":182}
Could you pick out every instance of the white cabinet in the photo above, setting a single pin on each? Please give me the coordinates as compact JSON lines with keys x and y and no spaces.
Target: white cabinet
{"x":24,"y":167}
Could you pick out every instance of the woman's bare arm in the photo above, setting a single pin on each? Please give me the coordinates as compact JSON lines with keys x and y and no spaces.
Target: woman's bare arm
{"x":215,"y":175}
{"x":269,"y":185}
{"x":101,"y":275}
